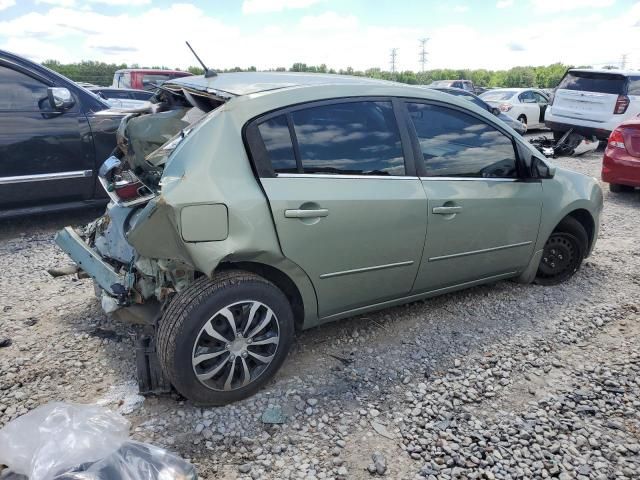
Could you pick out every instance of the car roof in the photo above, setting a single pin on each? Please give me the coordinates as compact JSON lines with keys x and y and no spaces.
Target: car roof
{"x":626,"y":73}
{"x":247,"y":83}
{"x":151,"y":70}
{"x":452,"y":89}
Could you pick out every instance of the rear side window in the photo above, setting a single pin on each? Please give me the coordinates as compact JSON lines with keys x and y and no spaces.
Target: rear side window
{"x":594,"y":82}
{"x":455,"y":144}
{"x":634,"y":86}
{"x":277,"y":141}
{"x":20,"y":92}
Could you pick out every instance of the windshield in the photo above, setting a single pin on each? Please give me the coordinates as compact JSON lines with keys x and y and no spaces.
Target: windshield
{"x":594,"y":82}
{"x":498,"y":95}
{"x":441,"y":83}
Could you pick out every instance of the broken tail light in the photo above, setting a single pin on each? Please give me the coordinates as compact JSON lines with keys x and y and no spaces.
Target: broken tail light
{"x":505,"y":107}
{"x":622,"y":103}
{"x":616,"y":139}
{"x":122,"y":185}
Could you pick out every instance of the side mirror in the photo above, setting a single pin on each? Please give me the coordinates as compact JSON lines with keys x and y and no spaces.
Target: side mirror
{"x":495,"y":111}
{"x":60,"y":98}
{"x":541,"y":169}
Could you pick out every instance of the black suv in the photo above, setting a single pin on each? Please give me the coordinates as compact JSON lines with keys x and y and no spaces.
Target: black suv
{"x":54,"y":135}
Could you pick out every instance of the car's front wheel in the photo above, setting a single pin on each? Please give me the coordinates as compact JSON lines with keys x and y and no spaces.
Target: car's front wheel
{"x":563,"y":253}
{"x":220,"y":340}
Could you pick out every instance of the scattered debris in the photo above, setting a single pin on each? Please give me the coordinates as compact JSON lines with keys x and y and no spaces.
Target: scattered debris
{"x":345,"y":361}
{"x":106,"y":334}
{"x":382,"y":430}
{"x":62,"y":271}
{"x":273,"y":415}
{"x":31,"y":321}
{"x":569,"y":144}
{"x":68,"y":441}
{"x":5,"y":342}
{"x":125,"y":397}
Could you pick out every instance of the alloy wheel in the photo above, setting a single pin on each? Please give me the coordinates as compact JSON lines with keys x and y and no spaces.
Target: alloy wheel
{"x":236,"y":345}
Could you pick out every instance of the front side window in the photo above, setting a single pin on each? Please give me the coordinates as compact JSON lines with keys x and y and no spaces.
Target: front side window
{"x":354,"y":138}
{"x":20,"y":92}
{"x":455,"y":144}
{"x":540,"y":98}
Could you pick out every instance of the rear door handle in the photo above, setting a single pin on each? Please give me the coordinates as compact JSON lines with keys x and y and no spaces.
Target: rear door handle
{"x":446,"y":210}
{"x":303,"y":213}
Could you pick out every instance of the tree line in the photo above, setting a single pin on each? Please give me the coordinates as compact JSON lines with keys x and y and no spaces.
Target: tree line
{"x":548,"y":76}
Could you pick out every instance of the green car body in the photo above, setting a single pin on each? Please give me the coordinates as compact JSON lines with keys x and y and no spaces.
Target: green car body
{"x":334,"y":245}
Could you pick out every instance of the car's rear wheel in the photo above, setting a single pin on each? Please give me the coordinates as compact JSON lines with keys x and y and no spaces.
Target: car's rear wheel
{"x":523,"y":120}
{"x":220,"y":340}
{"x":563,"y":253}
{"x":617,"y":188}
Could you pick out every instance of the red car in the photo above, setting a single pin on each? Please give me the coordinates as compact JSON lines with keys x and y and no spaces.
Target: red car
{"x":621,"y":162}
{"x":144,"y":78}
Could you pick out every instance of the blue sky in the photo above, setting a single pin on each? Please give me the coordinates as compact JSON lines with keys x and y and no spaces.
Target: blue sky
{"x":357,"y":33}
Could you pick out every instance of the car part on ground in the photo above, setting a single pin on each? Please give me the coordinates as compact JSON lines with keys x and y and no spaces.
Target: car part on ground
{"x":568,"y":144}
{"x":594,"y":102}
{"x":61,"y":441}
{"x":232,"y":206}
{"x":621,"y":160}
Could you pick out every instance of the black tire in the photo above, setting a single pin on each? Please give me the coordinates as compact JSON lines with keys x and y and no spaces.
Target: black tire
{"x":184,"y":321}
{"x":522,"y":119}
{"x":563,"y":253}
{"x":617,"y":188}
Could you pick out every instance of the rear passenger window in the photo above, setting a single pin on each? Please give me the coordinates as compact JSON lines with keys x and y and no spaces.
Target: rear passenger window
{"x":354,"y":138}
{"x":634,"y":85}
{"x":455,"y":144}
{"x":275,"y":134}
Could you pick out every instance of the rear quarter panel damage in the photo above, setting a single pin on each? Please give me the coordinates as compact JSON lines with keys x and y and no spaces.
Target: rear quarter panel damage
{"x":211,"y":167}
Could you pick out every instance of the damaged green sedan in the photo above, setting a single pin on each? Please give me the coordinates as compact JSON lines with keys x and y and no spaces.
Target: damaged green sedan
{"x":247,"y":206}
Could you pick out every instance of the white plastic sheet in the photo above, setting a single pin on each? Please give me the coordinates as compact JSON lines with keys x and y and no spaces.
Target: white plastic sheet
{"x":72,"y":442}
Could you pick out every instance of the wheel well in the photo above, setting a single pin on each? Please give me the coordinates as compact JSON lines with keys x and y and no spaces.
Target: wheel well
{"x":522,"y":115}
{"x":586,"y":220}
{"x":279,"y":279}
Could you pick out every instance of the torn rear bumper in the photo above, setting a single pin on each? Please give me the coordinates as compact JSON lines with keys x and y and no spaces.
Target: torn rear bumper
{"x":112,"y":282}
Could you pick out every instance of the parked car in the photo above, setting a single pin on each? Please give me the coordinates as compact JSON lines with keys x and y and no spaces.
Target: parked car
{"x":123,"y":97}
{"x":282,"y":208}
{"x":54,"y":135}
{"x":461,"y":84}
{"x":519,"y":127}
{"x":144,"y":78}
{"x":526,"y":105}
{"x":621,"y":162}
{"x":594,"y":102}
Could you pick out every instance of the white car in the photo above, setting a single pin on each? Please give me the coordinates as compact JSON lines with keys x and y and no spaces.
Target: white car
{"x":594,"y":102}
{"x":527,"y":105}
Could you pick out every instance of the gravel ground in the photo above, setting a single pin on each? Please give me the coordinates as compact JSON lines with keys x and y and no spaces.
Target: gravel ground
{"x":499,"y":381}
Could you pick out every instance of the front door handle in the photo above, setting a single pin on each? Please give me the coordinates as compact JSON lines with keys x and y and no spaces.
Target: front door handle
{"x":446,"y":210}
{"x":306,"y":213}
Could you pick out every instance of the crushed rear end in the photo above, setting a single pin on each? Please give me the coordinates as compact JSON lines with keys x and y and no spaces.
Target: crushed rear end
{"x":111,"y":249}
